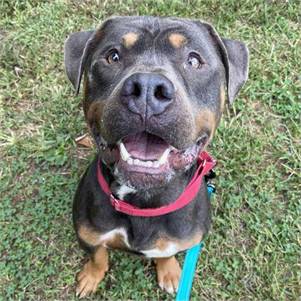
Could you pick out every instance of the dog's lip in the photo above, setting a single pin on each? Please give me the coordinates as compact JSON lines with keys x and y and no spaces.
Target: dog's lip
{"x":176,"y":160}
{"x":171,"y":157}
{"x":134,"y":168}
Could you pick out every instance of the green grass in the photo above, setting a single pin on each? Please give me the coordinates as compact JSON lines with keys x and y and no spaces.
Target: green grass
{"x":252,"y":250}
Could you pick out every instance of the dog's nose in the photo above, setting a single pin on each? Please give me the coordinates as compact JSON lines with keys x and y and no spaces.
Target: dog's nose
{"x":147,"y":94}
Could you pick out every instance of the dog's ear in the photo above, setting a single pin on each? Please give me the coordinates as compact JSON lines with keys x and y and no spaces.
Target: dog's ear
{"x":79,"y":46}
{"x":235,"y":57}
{"x":236,"y":54}
{"x":76,"y":52}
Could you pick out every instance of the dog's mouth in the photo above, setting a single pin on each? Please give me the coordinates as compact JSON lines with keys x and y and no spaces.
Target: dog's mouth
{"x":149,"y":154}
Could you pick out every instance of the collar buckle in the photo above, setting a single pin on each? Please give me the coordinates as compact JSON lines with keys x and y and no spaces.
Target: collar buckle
{"x":114,"y":202}
{"x":204,"y":163}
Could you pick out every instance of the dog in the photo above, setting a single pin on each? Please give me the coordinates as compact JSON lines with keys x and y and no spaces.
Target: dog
{"x":154,"y":92}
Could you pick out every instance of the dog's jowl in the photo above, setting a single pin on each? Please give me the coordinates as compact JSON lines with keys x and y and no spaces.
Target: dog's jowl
{"x":154,"y":90}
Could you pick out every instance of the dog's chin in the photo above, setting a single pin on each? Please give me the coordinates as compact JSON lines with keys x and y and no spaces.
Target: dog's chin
{"x":143,"y":178}
{"x":144,"y":161}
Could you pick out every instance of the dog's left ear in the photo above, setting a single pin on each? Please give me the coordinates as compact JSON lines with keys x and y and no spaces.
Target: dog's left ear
{"x":235,"y":56}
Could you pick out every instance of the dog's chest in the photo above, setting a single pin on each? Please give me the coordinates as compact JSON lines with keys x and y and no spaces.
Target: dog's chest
{"x":156,"y":248}
{"x":160,"y":238}
{"x":167,"y":249}
{"x":154,"y":238}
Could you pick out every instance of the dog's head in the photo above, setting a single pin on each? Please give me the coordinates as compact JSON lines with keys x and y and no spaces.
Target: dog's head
{"x":154,"y":91}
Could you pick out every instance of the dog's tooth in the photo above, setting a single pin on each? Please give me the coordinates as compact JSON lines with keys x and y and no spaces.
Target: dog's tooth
{"x":164,"y":156}
{"x":143,"y":163}
{"x":123,"y":152}
{"x":137,"y":162}
{"x":149,"y":164}
{"x":156,"y":164}
{"x":153,"y":164}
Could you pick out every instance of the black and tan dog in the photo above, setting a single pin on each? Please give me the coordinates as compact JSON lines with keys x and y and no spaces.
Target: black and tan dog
{"x":154,"y":93}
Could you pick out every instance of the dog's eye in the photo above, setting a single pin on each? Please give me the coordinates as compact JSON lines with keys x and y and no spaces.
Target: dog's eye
{"x":113,"y":57}
{"x":194,"y":60}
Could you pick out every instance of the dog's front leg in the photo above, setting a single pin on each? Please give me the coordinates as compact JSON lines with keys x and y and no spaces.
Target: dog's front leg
{"x":93,"y":272}
{"x":168,"y":273}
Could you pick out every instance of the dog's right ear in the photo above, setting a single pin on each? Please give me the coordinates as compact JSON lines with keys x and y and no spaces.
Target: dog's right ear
{"x":76,"y":52}
{"x":235,"y":57}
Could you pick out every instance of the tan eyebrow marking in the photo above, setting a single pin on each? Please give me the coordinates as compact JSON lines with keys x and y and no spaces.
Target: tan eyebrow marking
{"x":177,"y":40}
{"x":129,"y":39}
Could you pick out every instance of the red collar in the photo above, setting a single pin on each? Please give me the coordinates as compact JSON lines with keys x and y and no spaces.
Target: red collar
{"x":205,"y":164}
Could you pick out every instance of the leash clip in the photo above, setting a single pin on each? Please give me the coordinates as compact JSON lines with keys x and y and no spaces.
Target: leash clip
{"x":114,"y":202}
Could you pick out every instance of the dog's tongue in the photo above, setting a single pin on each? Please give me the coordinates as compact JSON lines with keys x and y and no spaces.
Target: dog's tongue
{"x":145,"y":146}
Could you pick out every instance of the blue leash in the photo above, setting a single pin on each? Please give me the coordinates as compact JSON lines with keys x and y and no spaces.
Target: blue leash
{"x":190,"y":261}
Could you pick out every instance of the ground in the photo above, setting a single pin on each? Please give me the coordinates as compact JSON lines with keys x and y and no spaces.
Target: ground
{"x":252,"y":250}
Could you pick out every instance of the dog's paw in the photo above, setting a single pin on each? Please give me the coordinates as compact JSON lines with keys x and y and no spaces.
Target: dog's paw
{"x":168,"y":274}
{"x":88,"y":279}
